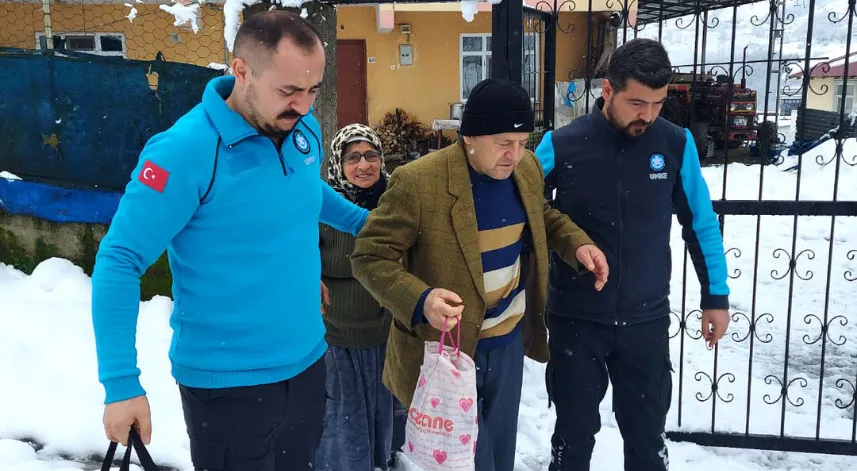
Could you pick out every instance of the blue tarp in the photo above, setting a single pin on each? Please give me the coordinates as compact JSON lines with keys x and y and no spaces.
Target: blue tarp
{"x":84,"y":119}
{"x":73,"y":126}
{"x":58,"y":204}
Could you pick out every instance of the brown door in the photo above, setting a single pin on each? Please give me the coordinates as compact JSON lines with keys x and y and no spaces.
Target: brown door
{"x":351,"y":82}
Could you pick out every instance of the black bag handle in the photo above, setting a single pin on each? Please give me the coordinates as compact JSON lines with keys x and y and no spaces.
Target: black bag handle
{"x":136,"y":442}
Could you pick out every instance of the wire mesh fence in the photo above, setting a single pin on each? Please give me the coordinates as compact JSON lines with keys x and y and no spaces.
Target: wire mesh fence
{"x":185,"y":31}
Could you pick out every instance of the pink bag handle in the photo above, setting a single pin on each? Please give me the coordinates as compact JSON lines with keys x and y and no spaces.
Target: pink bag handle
{"x":456,"y":344}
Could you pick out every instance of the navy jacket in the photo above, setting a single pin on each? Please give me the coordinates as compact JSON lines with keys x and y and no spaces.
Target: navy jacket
{"x":622,"y":191}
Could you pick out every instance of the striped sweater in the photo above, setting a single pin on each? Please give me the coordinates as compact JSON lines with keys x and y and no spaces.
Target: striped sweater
{"x":501,"y":220}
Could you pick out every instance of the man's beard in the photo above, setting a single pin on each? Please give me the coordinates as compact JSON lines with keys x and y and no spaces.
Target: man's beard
{"x":611,"y":116}
{"x":268,"y":129}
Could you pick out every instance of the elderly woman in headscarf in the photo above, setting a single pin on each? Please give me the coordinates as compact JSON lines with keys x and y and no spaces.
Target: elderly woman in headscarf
{"x":361,"y":415}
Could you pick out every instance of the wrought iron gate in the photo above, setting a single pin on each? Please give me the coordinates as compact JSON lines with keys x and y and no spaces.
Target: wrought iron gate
{"x":785,"y":376}
{"x":533,"y":69}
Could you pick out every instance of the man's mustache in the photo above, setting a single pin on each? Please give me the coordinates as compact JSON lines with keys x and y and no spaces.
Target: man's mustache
{"x":291,"y":114}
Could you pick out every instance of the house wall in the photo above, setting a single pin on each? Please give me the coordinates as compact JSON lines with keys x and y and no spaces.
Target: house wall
{"x":823,"y":101}
{"x":427,"y":88}
{"x":152,"y":30}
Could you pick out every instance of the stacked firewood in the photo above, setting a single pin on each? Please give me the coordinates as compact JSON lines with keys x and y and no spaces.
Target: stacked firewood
{"x":400,"y":132}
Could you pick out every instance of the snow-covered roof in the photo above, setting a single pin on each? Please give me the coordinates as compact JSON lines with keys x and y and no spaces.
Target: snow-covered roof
{"x":835,"y":68}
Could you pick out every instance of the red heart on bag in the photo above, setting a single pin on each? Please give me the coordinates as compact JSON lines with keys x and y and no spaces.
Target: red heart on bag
{"x":465,"y":404}
{"x":422,"y":382}
{"x":456,"y":374}
{"x":465,"y":439}
{"x":439,"y":456}
{"x":435,"y":402}
{"x":411,"y":447}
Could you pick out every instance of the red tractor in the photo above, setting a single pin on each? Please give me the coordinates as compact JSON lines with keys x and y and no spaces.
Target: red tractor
{"x":716,"y":120}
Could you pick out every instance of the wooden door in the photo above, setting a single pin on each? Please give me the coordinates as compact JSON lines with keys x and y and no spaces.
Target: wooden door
{"x":351,"y":82}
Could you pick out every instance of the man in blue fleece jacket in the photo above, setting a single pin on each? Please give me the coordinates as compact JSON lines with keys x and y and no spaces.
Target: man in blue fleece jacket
{"x":232,"y":191}
{"x":620,"y":172}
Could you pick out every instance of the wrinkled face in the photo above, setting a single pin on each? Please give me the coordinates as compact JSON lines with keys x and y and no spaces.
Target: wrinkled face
{"x":497,"y":155}
{"x":634,"y":109}
{"x":279,"y":89}
{"x":361,"y":164}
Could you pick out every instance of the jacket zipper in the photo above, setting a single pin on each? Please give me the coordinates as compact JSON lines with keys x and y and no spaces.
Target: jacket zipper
{"x":282,"y":162}
{"x":620,"y":222}
{"x":280,"y":150}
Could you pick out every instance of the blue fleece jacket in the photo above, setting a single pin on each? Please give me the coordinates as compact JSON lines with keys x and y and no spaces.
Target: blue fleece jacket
{"x":239,"y":221}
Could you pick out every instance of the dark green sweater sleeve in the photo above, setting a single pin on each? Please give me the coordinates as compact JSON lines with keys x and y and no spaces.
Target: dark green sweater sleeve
{"x":354,"y":319}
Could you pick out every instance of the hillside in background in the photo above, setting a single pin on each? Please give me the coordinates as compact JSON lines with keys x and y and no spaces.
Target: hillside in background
{"x":752,"y":30}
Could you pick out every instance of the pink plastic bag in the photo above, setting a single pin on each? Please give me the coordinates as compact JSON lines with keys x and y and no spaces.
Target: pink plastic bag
{"x":442,"y":422}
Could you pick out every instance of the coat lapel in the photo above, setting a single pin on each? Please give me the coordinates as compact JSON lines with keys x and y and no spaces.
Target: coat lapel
{"x":464,"y":215}
{"x":533,"y":203}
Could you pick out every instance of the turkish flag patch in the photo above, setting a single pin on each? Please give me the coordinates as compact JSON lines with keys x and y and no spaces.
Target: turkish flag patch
{"x":153,"y":176}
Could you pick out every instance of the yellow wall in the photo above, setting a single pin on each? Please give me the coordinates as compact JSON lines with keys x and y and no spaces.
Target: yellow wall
{"x":824,"y":101}
{"x":152,"y":30}
{"x":427,"y":88}
{"x":571,"y":46}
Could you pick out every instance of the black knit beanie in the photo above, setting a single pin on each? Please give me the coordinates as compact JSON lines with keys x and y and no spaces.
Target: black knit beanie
{"x":496,"y":106}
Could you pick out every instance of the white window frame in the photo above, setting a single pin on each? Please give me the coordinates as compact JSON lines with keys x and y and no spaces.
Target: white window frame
{"x":485,"y":54}
{"x":839,"y":88}
{"x":97,"y":36}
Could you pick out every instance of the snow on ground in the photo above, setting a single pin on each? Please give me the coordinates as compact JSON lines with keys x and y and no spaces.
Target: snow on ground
{"x":52,"y":396}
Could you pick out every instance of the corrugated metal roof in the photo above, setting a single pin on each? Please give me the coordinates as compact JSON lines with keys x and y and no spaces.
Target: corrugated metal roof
{"x":650,"y":11}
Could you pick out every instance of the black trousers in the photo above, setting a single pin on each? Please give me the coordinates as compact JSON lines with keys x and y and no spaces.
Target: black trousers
{"x":269,"y":427}
{"x":635,"y":359}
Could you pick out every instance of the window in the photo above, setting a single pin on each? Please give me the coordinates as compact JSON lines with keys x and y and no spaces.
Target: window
{"x":787,"y":105}
{"x":849,"y":96}
{"x":102,"y":44}
{"x":476,"y":62}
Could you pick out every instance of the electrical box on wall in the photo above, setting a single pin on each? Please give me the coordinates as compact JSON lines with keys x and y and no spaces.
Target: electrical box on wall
{"x":406,"y":54}
{"x":405,"y":28}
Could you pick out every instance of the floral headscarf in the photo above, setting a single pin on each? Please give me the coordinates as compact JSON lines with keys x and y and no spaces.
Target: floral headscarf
{"x":365,"y":197}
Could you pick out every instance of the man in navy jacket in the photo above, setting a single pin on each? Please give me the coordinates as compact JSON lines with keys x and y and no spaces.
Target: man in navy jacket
{"x":620,"y":172}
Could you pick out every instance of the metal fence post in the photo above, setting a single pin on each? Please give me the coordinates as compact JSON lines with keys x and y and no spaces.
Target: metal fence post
{"x":507,"y":40}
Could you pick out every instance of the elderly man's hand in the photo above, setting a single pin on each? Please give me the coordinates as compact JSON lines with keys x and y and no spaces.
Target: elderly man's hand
{"x":595,"y":261}
{"x":442,"y":308}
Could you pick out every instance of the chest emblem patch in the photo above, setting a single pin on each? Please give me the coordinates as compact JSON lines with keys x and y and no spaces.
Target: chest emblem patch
{"x":301,"y":142}
{"x":657,"y":162}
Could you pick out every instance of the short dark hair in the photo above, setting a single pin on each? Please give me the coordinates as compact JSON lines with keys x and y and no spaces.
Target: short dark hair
{"x":263,"y":31}
{"x":643,"y":60}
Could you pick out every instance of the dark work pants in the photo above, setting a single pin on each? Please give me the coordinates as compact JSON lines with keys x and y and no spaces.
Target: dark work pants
{"x":635,"y":359}
{"x":499,"y":374}
{"x":269,"y":427}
